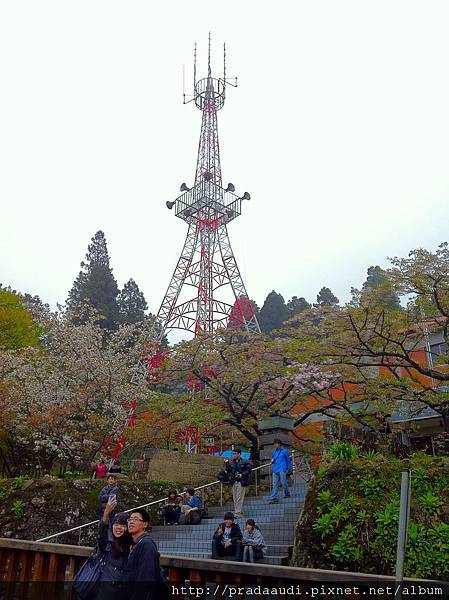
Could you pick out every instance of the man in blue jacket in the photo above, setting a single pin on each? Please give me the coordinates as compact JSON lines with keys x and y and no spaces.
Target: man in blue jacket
{"x":280,"y":462}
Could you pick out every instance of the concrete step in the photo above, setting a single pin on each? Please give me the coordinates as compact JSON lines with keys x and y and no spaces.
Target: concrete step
{"x":180,"y":530}
{"x":166,"y":547}
{"x":295,"y":496}
{"x":268,"y":558}
{"x":271,"y":536}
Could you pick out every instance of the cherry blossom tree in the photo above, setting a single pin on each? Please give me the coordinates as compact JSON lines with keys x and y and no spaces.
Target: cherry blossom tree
{"x":249,"y":377}
{"x":60,"y":401}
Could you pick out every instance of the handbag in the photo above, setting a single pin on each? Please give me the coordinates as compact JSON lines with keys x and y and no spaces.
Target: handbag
{"x":85,"y":583}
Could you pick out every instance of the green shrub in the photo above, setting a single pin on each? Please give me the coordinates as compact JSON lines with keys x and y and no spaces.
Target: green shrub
{"x":371,"y":488}
{"x":324,"y":525}
{"x":18,"y":508}
{"x":430,"y":504}
{"x":351,"y":517}
{"x":165,"y":483}
{"x":343,"y":451}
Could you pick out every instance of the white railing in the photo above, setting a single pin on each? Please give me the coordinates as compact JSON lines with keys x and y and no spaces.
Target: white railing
{"x":80,"y":528}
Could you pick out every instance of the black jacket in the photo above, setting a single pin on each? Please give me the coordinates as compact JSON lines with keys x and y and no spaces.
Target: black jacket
{"x":239,"y":471}
{"x":236,"y":533}
{"x":143,"y":573}
{"x":114,"y":569}
{"x":105,"y":493}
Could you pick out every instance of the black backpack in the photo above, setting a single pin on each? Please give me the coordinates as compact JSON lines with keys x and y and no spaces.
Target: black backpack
{"x":223,"y":476}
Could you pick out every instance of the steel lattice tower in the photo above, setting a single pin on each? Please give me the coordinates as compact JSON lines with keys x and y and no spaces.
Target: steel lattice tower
{"x":207,"y":272}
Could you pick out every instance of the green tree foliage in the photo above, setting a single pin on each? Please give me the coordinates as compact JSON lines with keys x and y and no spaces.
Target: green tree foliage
{"x":131,"y":303}
{"x":17,"y":328}
{"x":248,"y":376}
{"x":378,"y":350}
{"x":273,"y":312}
{"x":326,"y":298}
{"x":297,"y":305}
{"x":96,"y":284}
{"x":378,"y":284}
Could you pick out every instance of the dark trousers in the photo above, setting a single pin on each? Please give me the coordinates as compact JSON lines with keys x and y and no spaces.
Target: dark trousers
{"x":171,"y":514}
{"x":234,"y":550}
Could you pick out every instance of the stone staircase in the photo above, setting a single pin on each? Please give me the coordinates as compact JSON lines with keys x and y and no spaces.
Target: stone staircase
{"x":276,"y":521}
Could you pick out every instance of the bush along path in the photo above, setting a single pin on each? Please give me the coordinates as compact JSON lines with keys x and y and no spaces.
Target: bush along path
{"x":351,"y":515}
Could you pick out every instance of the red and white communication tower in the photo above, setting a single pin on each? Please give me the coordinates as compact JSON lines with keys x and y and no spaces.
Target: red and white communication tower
{"x":206,"y":288}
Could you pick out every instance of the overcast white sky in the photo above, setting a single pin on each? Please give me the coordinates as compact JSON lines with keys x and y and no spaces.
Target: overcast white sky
{"x":339,"y":129}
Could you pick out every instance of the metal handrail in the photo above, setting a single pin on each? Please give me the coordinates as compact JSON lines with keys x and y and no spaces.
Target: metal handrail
{"x":85,"y":525}
{"x":146,"y":506}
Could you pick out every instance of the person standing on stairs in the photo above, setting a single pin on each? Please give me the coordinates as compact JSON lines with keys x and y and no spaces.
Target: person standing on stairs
{"x":109,"y":492}
{"x":240,"y":474}
{"x":280,"y":464}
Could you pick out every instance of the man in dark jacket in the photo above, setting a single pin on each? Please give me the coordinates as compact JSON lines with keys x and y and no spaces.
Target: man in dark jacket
{"x":227,"y":540}
{"x":143,"y":574}
{"x":240,"y":474}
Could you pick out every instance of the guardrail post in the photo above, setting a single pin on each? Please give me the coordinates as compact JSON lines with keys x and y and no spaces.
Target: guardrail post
{"x":256,"y":481}
{"x":293,"y":467}
{"x":404,"y":515}
{"x":79,"y":537}
{"x":221,"y":493}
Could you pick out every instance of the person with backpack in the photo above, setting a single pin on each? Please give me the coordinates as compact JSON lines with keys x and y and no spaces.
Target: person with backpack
{"x":239,"y":477}
{"x":280,"y":464}
{"x":115,"y":549}
{"x":102,"y":576}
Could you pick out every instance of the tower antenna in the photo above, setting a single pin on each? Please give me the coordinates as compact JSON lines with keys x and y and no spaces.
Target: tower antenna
{"x":224,"y":68}
{"x":208,"y":59}
{"x":194,"y":66}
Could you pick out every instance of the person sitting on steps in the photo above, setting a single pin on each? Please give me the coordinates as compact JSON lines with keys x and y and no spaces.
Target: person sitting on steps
{"x":253,"y":543}
{"x":192,"y":508}
{"x":227,"y":540}
{"x":172,"y":508}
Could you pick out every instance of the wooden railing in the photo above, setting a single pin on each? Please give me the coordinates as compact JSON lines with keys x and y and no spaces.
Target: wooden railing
{"x":25,"y":561}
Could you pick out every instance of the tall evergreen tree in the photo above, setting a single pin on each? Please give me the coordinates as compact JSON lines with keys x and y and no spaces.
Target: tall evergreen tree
{"x":273,"y":312}
{"x":96,"y":284}
{"x":131,"y":303}
{"x":377,"y":280}
{"x":297,"y":305}
{"x":326,"y":298}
